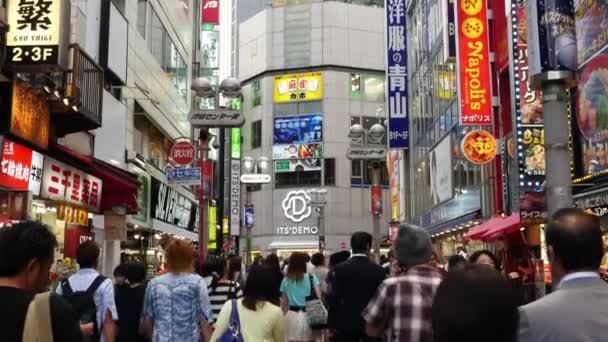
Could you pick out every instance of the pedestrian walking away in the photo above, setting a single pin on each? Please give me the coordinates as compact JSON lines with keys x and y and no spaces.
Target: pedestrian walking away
{"x":130,"y":303}
{"x":225,"y":287}
{"x":576,"y":311}
{"x":388,"y":313}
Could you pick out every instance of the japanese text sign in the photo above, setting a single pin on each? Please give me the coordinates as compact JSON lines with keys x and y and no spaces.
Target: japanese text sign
{"x":298,"y":87}
{"x":398,"y":125}
{"x":474,"y":63}
{"x":30,"y":116}
{"x":36,"y":36}
{"x":211,"y":11}
{"x":65,"y":183}
{"x":20,"y":167}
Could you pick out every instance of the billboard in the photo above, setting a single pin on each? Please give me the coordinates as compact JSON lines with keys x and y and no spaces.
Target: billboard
{"x":396,"y":51}
{"x":298,"y":87}
{"x":474,"y":63}
{"x":210,"y":52}
{"x":591,"y":21}
{"x":292,"y":165}
{"x":298,"y":129}
{"x":441,"y":171}
{"x":394,"y":182}
{"x":297,"y":151}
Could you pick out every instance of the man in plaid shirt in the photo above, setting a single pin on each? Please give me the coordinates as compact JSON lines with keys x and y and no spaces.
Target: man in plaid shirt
{"x":401,"y":308}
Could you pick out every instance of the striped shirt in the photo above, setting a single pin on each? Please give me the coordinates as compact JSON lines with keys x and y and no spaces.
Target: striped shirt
{"x":224,"y":291}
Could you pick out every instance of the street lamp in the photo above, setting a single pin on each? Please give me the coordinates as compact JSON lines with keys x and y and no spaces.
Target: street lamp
{"x":201,"y":87}
{"x":318,"y":202}
{"x":367,"y":145}
{"x":254,"y":172}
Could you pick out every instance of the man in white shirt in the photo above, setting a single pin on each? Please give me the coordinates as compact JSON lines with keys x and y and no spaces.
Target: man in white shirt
{"x":87,"y":256}
{"x":576,"y":311}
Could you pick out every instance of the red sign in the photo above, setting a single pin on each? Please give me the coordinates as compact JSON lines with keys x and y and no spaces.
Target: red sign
{"x":183,"y":153}
{"x":474,"y":63}
{"x":479,"y":147}
{"x":376,"y":191}
{"x":61,"y":182}
{"x":20,"y":167}
{"x":207,"y":178}
{"x":211,"y":11}
{"x":74,"y":237}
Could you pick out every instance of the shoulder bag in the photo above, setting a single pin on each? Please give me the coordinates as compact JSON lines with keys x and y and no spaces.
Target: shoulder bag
{"x":316,"y":314}
{"x":233,"y":334}
{"x":37,"y":327}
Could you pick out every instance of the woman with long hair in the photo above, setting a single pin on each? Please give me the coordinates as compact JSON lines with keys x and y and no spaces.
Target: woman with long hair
{"x":272,"y":261}
{"x":176,"y":304}
{"x":485,"y":257}
{"x":225,"y":287}
{"x":260,"y":319}
{"x":295,"y":287}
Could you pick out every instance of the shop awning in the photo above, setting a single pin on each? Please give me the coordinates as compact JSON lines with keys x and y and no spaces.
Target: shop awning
{"x":120,"y":187}
{"x":293,"y":245}
{"x":495,"y":227}
{"x":462,"y":222}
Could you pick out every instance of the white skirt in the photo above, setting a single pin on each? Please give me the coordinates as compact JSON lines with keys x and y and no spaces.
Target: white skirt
{"x":296,"y":327}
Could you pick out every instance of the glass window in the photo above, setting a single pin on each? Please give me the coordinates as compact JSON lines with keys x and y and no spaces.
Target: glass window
{"x":157,"y":36}
{"x":373,"y":88}
{"x":297,"y":178}
{"x":329,"y":167}
{"x":307,"y":107}
{"x":355,"y":86}
{"x":256,"y":134}
{"x":256,"y":93}
{"x":142,"y":11}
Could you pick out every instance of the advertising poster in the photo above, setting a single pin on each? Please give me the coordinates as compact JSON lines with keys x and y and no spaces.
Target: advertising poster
{"x":392,"y":159}
{"x":592,"y":114}
{"x":533,"y":207}
{"x":297,"y":151}
{"x":473,"y":63}
{"x":591,"y":20}
{"x":293,"y":165}
{"x":533,"y":143}
{"x":441,"y":171}
{"x":396,"y":74}
{"x":551,"y":35}
{"x":298,"y":129}
{"x":210,"y":51}
{"x":298,"y":87}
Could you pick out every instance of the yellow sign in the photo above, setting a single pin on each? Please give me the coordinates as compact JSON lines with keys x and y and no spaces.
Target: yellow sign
{"x":73,"y":215}
{"x":298,"y":87}
{"x":212,"y":222}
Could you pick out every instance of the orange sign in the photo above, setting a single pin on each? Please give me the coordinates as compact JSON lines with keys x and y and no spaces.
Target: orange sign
{"x":479,"y":147}
{"x":474,"y":63}
{"x":30,"y":117}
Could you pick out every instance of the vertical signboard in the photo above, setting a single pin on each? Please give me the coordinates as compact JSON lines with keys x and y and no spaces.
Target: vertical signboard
{"x":398,"y":125}
{"x":473,"y":63}
{"x":36,"y":39}
{"x":210,"y":11}
{"x":235,"y":143}
{"x":212,"y":226}
{"x":393,"y":173}
{"x":449,"y":30}
{"x":235,"y":197}
{"x":210,"y":52}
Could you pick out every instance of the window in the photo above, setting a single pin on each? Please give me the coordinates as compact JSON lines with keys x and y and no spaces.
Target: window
{"x":355,"y":86}
{"x":329,"y":167}
{"x":307,"y":107}
{"x":256,"y":93}
{"x":367,"y":87}
{"x":361,"y":173}
{"x":297,"y":178}
{"x":256,"y":134}
{"x":142,"y":12}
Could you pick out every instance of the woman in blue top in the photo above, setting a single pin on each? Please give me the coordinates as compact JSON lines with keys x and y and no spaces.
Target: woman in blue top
{"x":295,"y":287}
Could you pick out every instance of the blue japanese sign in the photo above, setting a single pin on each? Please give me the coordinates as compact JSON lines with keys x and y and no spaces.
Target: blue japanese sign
{"x":396,"y":74}
{"x":299,"y":129}
{"x":184,"y":176}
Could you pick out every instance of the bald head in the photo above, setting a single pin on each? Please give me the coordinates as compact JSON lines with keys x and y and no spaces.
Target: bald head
{"x":576,"y":239}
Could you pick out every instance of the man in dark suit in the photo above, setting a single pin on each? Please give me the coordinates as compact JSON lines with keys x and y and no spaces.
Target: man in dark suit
{"x":355,"y":282}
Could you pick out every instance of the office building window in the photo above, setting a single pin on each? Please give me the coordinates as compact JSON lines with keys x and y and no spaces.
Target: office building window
{"x":367,"y":87}
{"x":361,"y":173}
{"x":142,"y":13}
{"x":256,"y":134}
{"x":355,"y":86}
{"x":329,"y":168}
{"x":306,"y":107}
{"x":297,"y":178}
{"x":256,"y":93}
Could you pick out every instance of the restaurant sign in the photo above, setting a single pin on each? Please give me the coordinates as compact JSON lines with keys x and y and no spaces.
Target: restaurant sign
{"x":38,"y":35}
{"x":20,"y":167}
{"x":298,"y":87}
{"x":171,"y":207}
{"x":474,"y":63}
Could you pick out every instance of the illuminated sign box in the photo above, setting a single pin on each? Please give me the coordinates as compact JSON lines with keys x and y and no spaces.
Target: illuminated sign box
{"x":298,"y":87}
{"x":38,"y":35}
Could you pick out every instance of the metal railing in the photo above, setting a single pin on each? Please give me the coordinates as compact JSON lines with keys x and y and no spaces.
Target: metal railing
{"x":84,"y":84}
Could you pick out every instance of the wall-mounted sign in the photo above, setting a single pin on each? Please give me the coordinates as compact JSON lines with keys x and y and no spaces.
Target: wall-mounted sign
{"x":297,"y":151}
{"x":301,"y":129}
{"x":392,"y":162}
{"x":235,"y":143}
{"x":210,"y":52}
{"x":296,"y":206}
{"x":358,"y":152}
{"x":20,"y":167}
{"x":449,"y":29}
{"x":292,"y":165}
{"x":115,"y":227}
{"x":73,"y":215}
{"x":479,"y":147}
{"x":29,"y":116}
{"x":235,"y":197}
{"x":596,"y":203}
{"x":64,"y":183}
{"x":255,"y":178}
{"x":551,"y":36}
{"x":398,"y":124}
{"x":591,"y":22}
{"x":171,"y":207}
{"x":212,"y":226}
{"x":210,"y":11}
{"x":249,"y":216}
{"x":183,"y":176}
{"x":298,"y":87}
{"x":37,"y":37}
{"x":216,"y":118}
{"x":533,"y":144}
{"x":474,"y":63}
{"x":298,"y":230}
{"x":533,"y":207}
{"x":441,"y":171}
{"x":183,"y":153}
{"x":143,"y":199}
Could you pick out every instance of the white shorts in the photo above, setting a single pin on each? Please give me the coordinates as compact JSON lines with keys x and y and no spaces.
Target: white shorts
{"x":296,"y":327}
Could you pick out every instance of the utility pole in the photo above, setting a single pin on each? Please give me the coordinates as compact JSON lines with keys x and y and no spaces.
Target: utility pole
{"x":202,"y":200}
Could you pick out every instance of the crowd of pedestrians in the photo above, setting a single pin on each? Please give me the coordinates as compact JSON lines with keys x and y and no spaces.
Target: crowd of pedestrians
{"x":407,"y":297}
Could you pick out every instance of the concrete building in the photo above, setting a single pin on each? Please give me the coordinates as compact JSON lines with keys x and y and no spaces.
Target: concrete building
{"x":309,"y":71}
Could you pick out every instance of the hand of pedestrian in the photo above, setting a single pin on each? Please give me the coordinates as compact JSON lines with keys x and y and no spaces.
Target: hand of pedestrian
{"x":87,"y":329}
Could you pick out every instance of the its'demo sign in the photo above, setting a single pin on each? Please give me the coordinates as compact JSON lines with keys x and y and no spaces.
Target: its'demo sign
{"x":296,"y":208}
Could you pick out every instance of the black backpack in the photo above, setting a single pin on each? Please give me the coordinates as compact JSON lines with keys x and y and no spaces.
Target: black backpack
{"x":83,"y":304}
